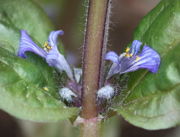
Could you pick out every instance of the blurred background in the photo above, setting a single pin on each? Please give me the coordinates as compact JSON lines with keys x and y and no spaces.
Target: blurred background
{"x":69,"y":15}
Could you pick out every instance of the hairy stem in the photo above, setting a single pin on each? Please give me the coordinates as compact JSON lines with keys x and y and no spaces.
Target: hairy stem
{"x":94,"y":48}
{"x":90,"y":129}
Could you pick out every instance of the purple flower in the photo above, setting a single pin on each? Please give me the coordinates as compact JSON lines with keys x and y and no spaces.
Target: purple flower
{"x":133,"y":59}
{"x":50,"y":52}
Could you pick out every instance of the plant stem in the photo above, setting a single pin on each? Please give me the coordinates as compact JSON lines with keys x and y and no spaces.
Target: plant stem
{"x":94,"y":47}
{"x":90,"y":129}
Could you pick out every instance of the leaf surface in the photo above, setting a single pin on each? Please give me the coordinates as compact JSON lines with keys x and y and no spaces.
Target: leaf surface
{"x":28,"y":89}
{"x":152,"y":101}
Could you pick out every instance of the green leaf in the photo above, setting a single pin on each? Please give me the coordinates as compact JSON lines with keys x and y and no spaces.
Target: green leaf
{"x":28,"y":89}
{"x":16,"y":15}
{"x":152,"y":101}
{"x":27,"y":93}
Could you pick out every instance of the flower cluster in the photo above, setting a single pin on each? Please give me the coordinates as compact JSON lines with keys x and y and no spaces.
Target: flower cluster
{"x":55,"y":59}
{"x":132,"y":59}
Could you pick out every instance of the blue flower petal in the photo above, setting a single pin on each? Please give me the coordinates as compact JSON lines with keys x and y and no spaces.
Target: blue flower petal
{"x":135,"y":47}
{"x":148,"y":58}
{"x":53,"y":38}
{"x":53,"y":57}
{"x":116,"y":66}
{"x":112,"y":56}
{"x":27,"y":45}
{"x":58,"y":61}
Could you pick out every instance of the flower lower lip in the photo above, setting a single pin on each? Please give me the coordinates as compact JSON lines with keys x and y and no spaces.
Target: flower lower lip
{"x":133,"y":59}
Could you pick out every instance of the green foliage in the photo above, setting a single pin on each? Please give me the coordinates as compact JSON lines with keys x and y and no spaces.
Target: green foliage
{"x":27,"y":87}
{"x":152,"y":101}
{"x":23,"y":14}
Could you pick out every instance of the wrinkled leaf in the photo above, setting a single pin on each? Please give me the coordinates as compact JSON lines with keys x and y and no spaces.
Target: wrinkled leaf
{"x":152,"y":101}
{"x":26,"y":93}
{"x":27,"y":86}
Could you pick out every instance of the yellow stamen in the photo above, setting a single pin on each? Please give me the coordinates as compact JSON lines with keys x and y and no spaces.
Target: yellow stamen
{"x":127,"y":55}
{"x":45,"y":88}
{"x":47,"y":47}
{"x":137,"y":58}
{"x":127,"y":50}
